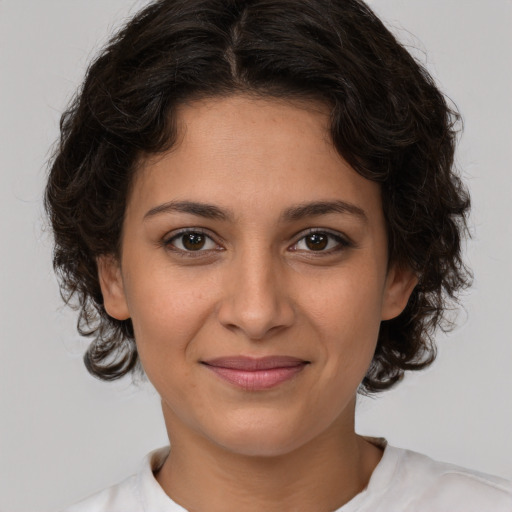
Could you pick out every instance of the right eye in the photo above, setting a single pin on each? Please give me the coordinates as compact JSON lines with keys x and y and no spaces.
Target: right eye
{"x":189,"y":241}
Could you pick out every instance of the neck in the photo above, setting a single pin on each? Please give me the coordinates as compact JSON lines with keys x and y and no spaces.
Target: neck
{"x":321,"y":475}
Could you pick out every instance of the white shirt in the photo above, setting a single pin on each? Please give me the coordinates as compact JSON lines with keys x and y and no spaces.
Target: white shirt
{"x":403,"y":481}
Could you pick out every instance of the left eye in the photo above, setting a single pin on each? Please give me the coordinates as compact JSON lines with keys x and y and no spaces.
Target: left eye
{"x":319,"y":241}
{"x":191,"y":241}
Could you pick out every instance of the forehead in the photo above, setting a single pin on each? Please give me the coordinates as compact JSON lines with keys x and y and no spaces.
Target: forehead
{"x":243,"y":127}
{"x":252,"y":154}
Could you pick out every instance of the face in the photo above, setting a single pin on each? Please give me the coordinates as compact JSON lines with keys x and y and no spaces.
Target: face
{"x":254,"y":268}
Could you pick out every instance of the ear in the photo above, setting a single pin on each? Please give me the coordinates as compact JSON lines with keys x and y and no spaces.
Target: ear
{"x":400,"y":283}
{"x":112,"y":287}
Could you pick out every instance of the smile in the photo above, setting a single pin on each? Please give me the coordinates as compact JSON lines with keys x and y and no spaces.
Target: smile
{"x":256,"y":374}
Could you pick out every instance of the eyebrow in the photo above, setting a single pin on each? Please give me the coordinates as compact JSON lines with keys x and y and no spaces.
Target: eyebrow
{"x":207,"y":211}
{"x":291,"y":214}
{"x":317,"y":208}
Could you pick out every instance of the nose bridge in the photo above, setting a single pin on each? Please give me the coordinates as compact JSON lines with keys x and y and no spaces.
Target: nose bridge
{"x":255,"y":299}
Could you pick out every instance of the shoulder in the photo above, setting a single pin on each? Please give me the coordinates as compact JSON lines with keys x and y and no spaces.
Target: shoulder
{"x":437,"y":486}
{"x":121,"y":497}
{"x":136,"y":493}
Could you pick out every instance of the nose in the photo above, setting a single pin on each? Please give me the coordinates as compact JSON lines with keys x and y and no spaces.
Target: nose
{"x":255,"y":300}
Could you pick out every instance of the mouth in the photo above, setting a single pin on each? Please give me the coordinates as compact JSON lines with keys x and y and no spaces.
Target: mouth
{"x":256,"y":374}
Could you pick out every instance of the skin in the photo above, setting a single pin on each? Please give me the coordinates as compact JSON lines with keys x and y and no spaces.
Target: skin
{"x":257,"y":287}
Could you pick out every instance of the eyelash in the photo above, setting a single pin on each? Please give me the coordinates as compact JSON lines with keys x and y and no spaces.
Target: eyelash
{"x":168,"y":243}
{"x":341,"y":241}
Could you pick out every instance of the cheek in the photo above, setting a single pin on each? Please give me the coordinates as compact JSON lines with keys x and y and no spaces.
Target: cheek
{"x":167,"y":312}
{"x":346,"y":302}
{"x":345,"y":312}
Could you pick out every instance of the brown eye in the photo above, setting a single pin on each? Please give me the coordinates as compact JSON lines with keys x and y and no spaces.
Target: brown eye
{"x":190,"y":241}
{"x":316,"y":241}
{"x":321,"y":242}
{"x":193,"y":241}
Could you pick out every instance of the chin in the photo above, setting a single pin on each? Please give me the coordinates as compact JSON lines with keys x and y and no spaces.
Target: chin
{"x":262,"y":439}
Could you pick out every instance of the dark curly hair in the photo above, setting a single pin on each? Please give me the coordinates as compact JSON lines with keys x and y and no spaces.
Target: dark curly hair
{"x":389,"y":121}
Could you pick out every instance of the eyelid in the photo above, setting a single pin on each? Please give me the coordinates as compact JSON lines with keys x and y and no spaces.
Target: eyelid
{"x":173,"y":235}
{"x":344,"y":242}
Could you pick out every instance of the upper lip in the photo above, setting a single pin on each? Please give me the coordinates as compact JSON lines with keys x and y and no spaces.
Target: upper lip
{"x":255,"y":363}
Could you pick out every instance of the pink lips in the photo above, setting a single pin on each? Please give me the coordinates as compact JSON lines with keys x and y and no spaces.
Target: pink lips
{"x":255,"y":374}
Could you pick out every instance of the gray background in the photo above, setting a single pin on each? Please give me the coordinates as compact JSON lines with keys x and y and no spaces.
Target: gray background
{"x":64,"y":434}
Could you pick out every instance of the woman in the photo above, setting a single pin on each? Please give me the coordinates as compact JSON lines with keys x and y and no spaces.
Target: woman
{"x":254,"y":204}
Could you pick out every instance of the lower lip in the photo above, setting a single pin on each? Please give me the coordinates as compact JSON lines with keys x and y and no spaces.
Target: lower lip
{"x":256,"y":380}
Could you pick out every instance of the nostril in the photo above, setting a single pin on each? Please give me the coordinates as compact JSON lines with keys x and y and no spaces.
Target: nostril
{"x":255,"y":301}
{"x":255,"y":323}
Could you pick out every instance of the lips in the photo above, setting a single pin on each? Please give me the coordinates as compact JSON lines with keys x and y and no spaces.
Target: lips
{"x":255,"y":374}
